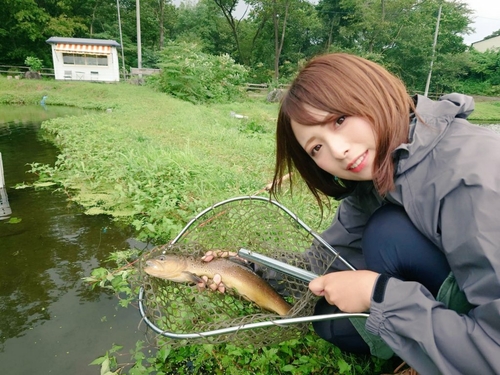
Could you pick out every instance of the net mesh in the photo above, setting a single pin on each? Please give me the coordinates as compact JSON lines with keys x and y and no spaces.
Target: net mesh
{"x":257,"y":225}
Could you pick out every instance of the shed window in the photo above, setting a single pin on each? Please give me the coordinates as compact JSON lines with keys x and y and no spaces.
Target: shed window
{"x":68,"y":59}
{"x":84,"y":59}
{"x":79,"y":60}
{"x":102,"y":60}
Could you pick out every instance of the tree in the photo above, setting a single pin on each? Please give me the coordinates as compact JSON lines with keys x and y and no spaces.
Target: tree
{"x":203,"y":24}
{"x":493,"y":34}
{"x":333,"y":16}
{"x":279,"y":23}
{"x":291,"y":27}
{"x":227,"y":7}
{"x":400,"y":33}
{"x":25,"y":25}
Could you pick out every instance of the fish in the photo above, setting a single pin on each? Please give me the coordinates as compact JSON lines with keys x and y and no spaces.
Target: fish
{"x":187,"y":269}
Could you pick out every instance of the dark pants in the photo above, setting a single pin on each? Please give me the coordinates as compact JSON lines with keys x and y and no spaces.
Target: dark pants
{"x":392,"y":245}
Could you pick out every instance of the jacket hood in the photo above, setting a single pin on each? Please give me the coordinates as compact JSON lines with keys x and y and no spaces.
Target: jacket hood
{"x":431,"y":120}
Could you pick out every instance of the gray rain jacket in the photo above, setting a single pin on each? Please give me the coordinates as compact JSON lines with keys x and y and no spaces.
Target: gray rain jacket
{"x":448,"y":181}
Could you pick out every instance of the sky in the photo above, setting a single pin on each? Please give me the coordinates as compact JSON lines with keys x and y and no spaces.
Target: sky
{"x":486,"y":19}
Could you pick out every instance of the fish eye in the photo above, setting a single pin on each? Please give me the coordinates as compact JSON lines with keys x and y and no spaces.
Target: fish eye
{"x":162,"y":258}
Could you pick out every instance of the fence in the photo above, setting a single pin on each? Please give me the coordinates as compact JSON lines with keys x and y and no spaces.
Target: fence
{"x":20,"y":71}
{"x":17,"y":71}
{"x":264,"y":86}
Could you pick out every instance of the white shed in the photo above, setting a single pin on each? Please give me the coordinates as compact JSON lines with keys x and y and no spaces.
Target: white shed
{"x":85,"y":59}
{"x":487,"y":44}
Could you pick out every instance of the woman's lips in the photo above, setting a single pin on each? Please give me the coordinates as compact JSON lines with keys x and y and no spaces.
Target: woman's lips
{"x":358,"y":164}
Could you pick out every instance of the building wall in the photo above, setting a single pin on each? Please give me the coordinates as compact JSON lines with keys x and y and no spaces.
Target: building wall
{"x":483,"y":45}
{"x":84,"y":72}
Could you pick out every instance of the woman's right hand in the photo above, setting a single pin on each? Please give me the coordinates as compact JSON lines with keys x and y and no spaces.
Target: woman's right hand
{"x":216,"y":283}
{"x":350,"y":291}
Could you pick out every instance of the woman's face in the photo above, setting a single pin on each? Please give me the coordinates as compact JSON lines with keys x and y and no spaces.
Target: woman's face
{"x":345,"y":148}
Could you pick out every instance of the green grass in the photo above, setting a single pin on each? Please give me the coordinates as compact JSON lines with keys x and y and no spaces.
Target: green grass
{"x":152,"y":158}
{"x":486,"y":112}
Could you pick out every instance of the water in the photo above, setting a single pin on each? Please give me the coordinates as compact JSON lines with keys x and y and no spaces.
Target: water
{"x":50,"y":321}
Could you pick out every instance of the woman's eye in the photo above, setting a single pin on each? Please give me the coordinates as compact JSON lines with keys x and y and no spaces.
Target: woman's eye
{"x":315,"y":150}
{"x":340,"y":120}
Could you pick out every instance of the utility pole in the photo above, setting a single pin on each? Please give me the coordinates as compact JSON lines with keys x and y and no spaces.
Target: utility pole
{"x":433,"y":51}
{"x":139,"y":52}
{"x":121,"y":38}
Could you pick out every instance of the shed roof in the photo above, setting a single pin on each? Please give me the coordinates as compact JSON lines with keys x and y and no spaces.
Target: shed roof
{"x":86,"y":41}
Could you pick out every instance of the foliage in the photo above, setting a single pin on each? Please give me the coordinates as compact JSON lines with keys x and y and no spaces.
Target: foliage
{"x":481,"y":74}
{"x":202,"y":23}
{"x":298,"y":356}
{"x":304,"y":356}
{"x":25,"y":25}
{"x":493,"y":34}
{"x":189,"y":74}
{"x":399,"y":32}
{"x":34,"y":63}
{"x":485,"y":66}
{"x":402,"y":34}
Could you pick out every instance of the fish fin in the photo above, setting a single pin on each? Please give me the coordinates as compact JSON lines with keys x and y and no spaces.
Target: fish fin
{"x":193,"y":278}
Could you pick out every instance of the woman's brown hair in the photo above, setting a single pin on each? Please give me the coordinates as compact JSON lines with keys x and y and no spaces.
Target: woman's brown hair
{"x":342,"y":85}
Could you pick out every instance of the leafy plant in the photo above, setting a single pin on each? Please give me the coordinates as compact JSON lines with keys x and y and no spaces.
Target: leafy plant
{"x":34,"y":63}
{"x":189,"y":74}
{"x":306,"y":355}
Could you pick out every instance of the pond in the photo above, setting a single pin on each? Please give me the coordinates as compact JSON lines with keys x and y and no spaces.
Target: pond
{"x":50,"y":321}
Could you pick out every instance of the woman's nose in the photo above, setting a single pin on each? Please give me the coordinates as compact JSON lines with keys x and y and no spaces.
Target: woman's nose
{"x":339,"y":147}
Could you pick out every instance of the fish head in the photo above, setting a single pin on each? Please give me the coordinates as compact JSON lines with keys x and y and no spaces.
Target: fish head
{"x":169,"y":267}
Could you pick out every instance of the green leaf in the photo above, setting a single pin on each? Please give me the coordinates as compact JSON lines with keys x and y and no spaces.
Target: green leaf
{"x":98,"y":360}
{"x":14,"y":220}
{"x":344,"y":367}
{"x":43,"y":184}
{"x":288,"y":368}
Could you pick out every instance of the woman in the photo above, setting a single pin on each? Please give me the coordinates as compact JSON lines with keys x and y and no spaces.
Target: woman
{"x":420,"y":198}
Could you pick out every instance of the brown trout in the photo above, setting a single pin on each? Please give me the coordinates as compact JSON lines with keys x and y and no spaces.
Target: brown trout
{"x":188,"y":269}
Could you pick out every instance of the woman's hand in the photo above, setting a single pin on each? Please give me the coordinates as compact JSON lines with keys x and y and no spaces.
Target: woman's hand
{"x":350,"y":291}
{"x":216,"y":283}
{"x":211,"y":254}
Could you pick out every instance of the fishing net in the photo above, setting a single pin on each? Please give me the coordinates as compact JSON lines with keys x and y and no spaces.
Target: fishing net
{"x":189,"y":315}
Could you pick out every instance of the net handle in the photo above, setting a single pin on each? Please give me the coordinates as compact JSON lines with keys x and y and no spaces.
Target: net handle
{"x":282,"y":267}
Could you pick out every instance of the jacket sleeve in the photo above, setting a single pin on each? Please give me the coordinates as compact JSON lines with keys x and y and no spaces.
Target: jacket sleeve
{"x":430,"y":337}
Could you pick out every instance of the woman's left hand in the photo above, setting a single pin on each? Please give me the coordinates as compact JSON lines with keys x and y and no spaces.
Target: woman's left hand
{"x":350,"y":291}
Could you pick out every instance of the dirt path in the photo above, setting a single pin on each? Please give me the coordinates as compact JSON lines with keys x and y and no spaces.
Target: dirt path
{"x":479,"y":98}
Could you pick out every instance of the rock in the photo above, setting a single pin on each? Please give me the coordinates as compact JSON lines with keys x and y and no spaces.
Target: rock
{"x":275,"y":95}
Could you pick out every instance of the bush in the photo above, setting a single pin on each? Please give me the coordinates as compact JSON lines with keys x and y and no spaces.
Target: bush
{"x":34,"y":63}
{"x":197,"y":77}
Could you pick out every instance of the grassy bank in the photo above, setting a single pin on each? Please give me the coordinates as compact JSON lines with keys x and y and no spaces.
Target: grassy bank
{"x":147,"y":156}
